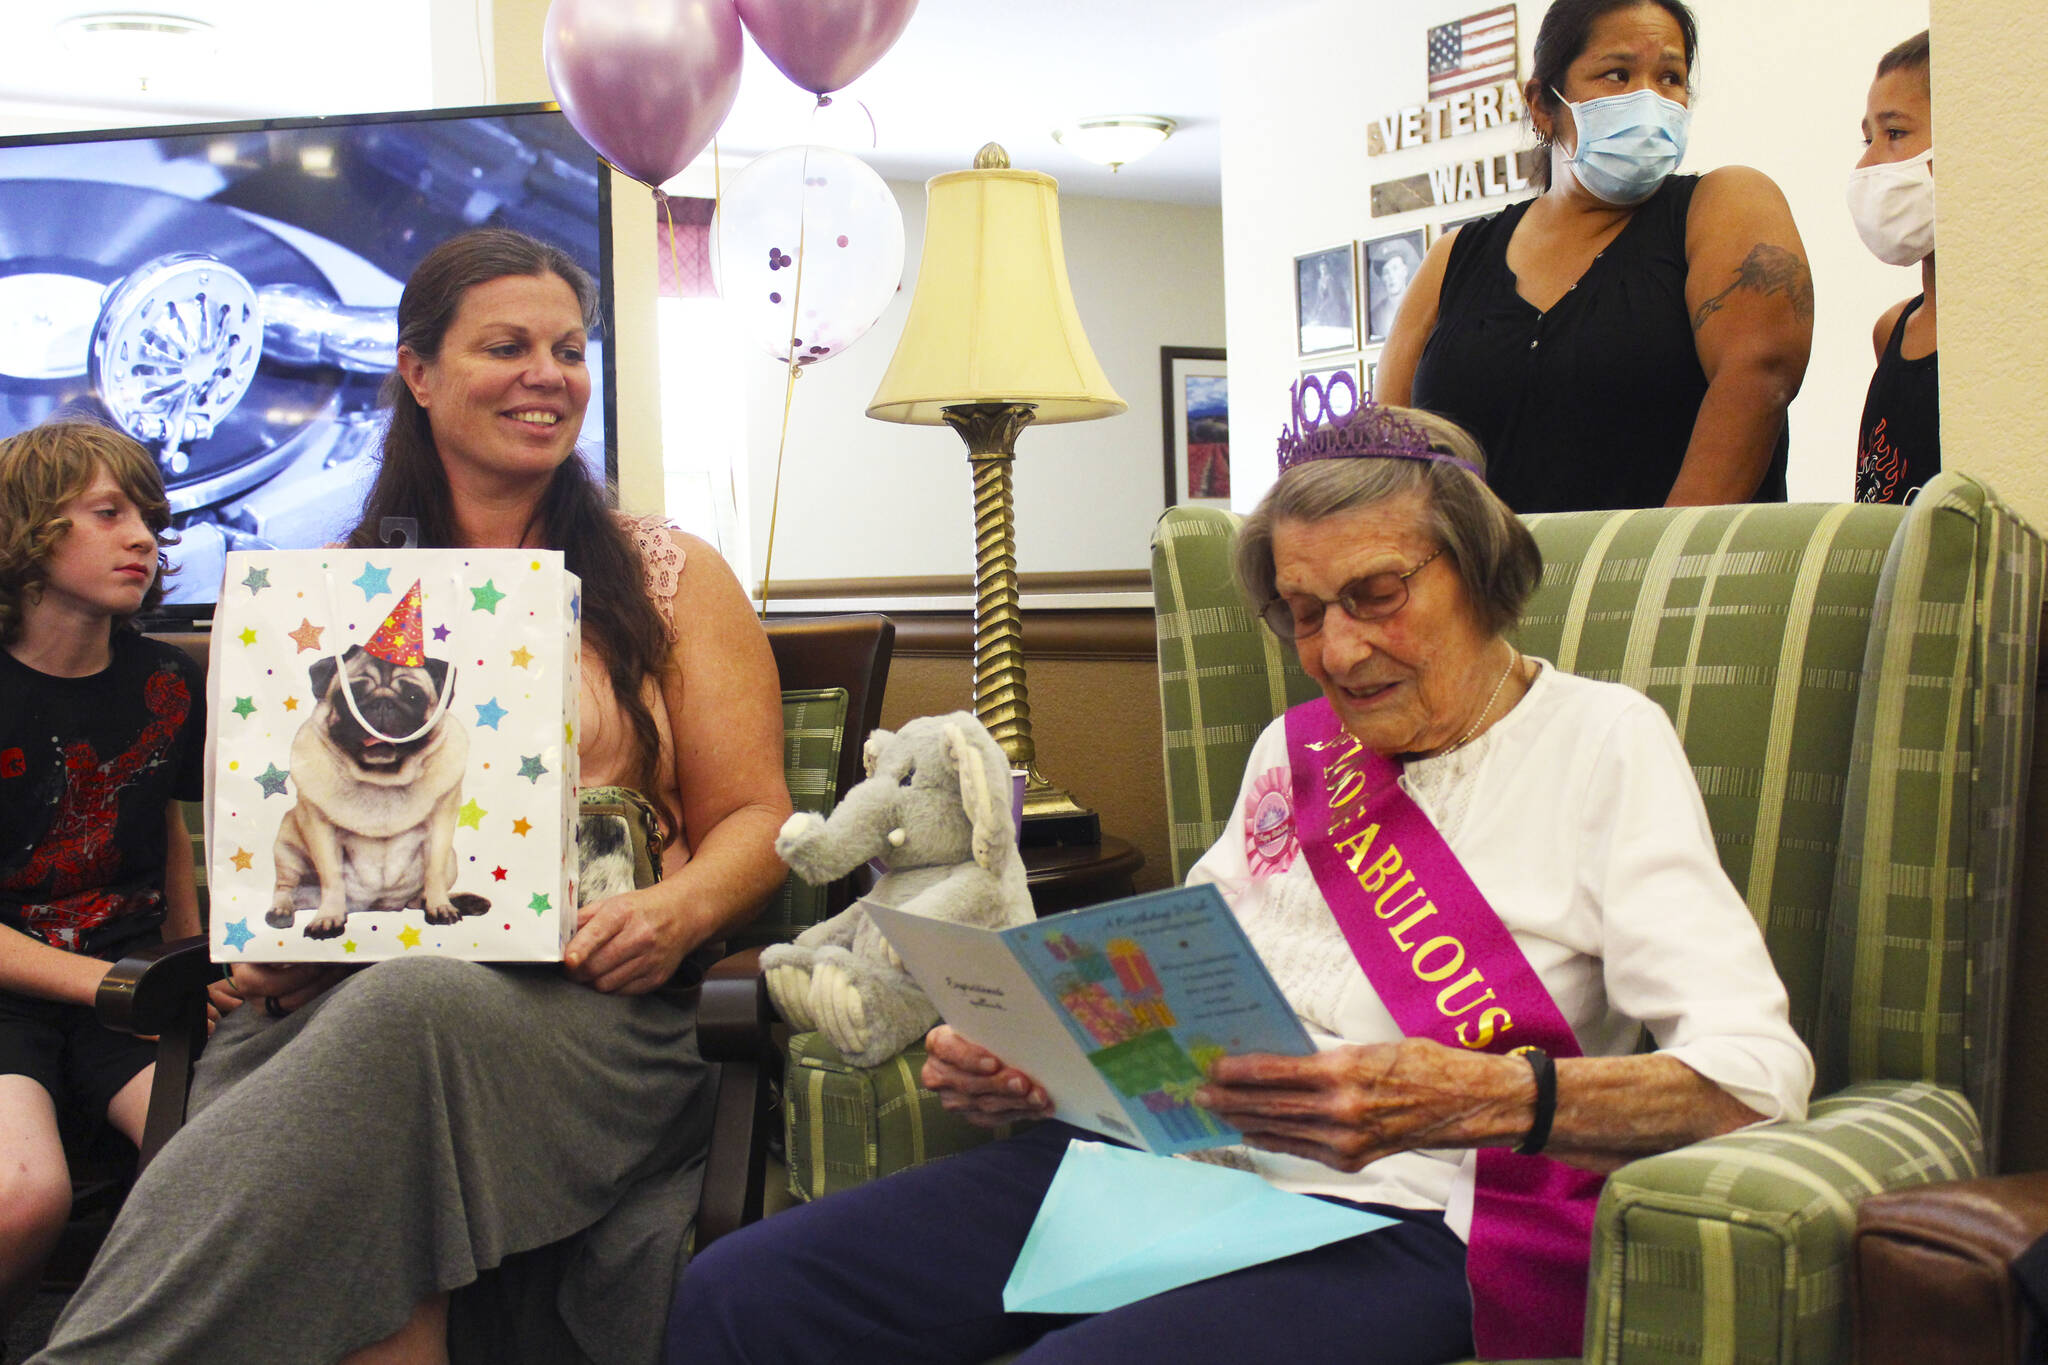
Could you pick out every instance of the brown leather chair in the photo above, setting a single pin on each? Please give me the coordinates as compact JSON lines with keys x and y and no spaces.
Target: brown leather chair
{"x":1931,"y":1272}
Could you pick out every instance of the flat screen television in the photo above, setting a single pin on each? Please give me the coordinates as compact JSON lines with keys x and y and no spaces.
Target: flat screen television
{"x":267,"y":436}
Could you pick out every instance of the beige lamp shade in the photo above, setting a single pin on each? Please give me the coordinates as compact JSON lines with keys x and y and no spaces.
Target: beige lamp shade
{"x":993,"y":320}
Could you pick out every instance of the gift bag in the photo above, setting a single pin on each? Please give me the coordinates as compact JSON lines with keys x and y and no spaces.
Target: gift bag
{"x":392,"y":765}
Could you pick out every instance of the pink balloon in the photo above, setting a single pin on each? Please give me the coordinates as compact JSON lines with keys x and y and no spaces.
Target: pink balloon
{"x":825,"y":44}
{"x":648,"y":82}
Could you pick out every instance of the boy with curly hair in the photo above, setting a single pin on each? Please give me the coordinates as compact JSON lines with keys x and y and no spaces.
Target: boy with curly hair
{"x":101,"y":736}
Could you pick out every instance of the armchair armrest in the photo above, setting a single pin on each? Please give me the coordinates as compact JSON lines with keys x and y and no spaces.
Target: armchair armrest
{"x":161,"y":991}
{"x":145,"y":991}
{"x":1739,"y":1247}
{"x":1932,"y":1276}
{"x":734,"y":1013}
{"x":734,"y":1023}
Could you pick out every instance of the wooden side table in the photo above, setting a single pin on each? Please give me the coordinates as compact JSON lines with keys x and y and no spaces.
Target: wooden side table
{"x":1069,"y":876}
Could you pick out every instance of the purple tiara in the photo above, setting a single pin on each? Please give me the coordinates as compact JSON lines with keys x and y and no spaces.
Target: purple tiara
{"x":1327,"y":426}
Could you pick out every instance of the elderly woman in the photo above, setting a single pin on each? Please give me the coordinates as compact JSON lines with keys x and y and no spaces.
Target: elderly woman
{"x":1630,"y":337}
{"x":427,"y":1157}
{"x":1458,"y":853}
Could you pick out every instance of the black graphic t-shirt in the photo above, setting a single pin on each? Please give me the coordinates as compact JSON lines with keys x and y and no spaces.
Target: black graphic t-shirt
{"x":87,"y":766}
{"x":1898,"y":446}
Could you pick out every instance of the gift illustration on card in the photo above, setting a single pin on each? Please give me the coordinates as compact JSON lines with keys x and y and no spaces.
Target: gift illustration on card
{"x":394,"y":769}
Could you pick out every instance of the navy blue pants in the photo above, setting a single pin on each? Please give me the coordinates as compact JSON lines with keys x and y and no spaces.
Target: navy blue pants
{"x":912,"y":1269}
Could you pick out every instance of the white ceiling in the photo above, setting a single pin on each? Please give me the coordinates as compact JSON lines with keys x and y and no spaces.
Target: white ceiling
{"x":964,"y":72}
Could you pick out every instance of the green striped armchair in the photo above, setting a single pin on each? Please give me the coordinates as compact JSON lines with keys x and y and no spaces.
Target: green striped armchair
{"x":1854,"y":688}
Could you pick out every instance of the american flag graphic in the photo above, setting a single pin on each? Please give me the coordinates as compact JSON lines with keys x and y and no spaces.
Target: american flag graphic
{"x":1475,"y":51}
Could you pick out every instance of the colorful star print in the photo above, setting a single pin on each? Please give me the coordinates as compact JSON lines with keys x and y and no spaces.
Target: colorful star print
{"x":409,"y":936}
{"x":471,"y":814}
{"x":498,"y":874}
{"x":575,"y":606}
{"x":490,"y":713}
{"x":257,"y":581}
{"x":248,"y":635}
{"x":521,"y":657}
{"x":272,"y":780}
{"x":307,"y":636}
{"x":291,"y":703}
{"x":372,"y":581}
{"x":486,"y":598}
{"x":238,"y":934}
{"x":241,"y":858}
{"x":348,"y":945}
{"x":440,"y":633}
{"x":539,"y":903}
{"x":521,"y":826}
{"x":530,"y":768}
{"x":243,"y":707}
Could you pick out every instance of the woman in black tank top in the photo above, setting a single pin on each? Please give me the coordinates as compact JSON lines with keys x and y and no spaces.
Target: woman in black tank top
{"x":1630,"y":338}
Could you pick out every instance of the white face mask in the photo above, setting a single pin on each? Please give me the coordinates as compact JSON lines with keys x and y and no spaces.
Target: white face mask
{"x":1892,"y":205}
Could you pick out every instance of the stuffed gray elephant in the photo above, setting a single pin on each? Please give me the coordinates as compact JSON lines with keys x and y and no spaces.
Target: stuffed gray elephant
{"x":935,"y":810}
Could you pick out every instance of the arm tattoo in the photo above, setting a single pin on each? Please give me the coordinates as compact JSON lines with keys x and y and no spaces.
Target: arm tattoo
{"x":1766,"y":270}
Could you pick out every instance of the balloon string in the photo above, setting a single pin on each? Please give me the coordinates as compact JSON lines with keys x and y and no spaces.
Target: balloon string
{"x":775,"y":499}
{"x":796,"y":299}
{"x":675,"y":262}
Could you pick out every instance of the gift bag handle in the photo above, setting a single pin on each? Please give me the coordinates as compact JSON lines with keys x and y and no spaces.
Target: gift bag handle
{"x":348,"y":694}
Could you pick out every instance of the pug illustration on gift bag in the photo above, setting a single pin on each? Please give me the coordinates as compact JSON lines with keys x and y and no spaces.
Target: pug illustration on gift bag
{"x":378,"y":766}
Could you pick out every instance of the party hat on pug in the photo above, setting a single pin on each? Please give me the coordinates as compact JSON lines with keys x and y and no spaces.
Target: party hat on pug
{"x":401,"y":640}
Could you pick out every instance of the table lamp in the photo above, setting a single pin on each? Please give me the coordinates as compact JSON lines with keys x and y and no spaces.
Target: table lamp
{"x":991,"y":345}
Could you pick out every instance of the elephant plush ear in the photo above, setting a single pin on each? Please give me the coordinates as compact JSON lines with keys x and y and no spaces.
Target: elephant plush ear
{"x":871,"y":751}
{"x":985,"y":796}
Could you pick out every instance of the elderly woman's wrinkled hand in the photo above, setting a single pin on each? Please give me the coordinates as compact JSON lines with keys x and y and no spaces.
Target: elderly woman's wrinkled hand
{"x":1350,"y":1106}
{"x":978,"y":1085}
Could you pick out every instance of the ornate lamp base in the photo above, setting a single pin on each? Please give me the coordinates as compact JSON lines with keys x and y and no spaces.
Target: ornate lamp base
{"x":1002,"y":698}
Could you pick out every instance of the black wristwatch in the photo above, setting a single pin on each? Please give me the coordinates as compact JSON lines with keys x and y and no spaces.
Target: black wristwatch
{"x":1546,"y":1100}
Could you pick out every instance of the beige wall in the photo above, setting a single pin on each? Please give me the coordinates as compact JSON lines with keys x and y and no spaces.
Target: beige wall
{"x":1993,"y":229}
{"x":868,"y":499}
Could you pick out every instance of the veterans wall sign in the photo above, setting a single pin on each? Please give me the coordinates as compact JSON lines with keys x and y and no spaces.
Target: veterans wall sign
{"x":1474,"y":67}
{"x":1468,"y":111}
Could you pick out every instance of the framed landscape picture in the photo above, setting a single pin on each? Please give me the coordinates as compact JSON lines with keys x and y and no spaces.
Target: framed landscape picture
{"x":1194,"y":406}
{"x":1326,"y":300}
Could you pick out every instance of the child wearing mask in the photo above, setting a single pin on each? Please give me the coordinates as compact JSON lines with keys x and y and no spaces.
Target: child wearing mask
{"x":1891,"y":199}
{"x":100,"y":739}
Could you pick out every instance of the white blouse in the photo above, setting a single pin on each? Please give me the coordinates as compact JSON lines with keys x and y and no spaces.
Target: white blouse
{"x":1577,"y":816}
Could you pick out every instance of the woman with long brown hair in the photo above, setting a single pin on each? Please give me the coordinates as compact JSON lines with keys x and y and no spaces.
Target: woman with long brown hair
{"x":427,"y":1158}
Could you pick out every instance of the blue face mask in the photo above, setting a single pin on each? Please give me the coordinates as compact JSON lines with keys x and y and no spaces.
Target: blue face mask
{"x":1628,"y":144}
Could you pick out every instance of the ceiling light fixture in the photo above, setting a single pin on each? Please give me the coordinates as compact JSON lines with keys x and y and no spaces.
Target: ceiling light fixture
{"x":138,"y":42}
{"x":1114,"y":139}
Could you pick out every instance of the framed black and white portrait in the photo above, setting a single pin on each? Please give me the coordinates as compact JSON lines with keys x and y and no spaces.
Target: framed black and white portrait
{"x":1326,"y":300}
{"x":1391,"y":264}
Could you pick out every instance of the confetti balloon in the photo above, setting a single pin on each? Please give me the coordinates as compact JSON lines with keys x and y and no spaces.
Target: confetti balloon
{"x":817,"y":217}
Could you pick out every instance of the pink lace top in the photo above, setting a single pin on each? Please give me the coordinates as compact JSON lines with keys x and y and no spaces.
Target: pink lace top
{"x":606,"y":749}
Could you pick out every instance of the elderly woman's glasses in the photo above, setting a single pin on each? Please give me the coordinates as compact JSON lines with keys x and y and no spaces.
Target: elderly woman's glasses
{"x":1375,"y":597}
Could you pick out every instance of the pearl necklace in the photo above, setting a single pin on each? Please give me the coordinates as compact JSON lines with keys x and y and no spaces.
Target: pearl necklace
{"x":1514,"y":657}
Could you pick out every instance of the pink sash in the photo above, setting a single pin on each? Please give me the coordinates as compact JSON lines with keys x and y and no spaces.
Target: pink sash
{"x":1447,"y":969}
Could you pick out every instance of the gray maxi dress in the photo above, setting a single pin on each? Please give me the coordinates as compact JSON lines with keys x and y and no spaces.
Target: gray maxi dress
{"x":532,"y":1144}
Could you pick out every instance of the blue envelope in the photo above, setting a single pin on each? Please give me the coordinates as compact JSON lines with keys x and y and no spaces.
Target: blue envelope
{"x":1119,"y":1225}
